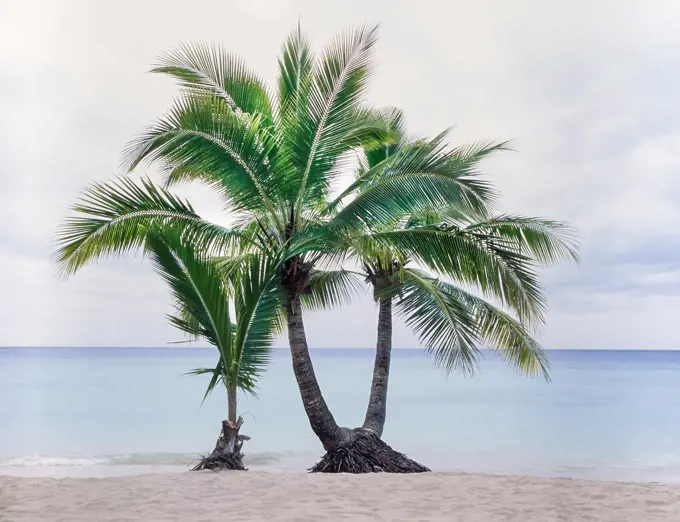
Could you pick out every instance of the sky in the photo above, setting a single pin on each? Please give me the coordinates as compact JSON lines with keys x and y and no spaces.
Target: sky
{"x":587,"y":91}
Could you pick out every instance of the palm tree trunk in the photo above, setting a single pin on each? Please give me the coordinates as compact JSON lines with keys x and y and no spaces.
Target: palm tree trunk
{"x":231,"y":404}
{"x":320,"y":418}
{"x":227,"y":453}
{"x":377,"y":402}
{"x":347,"y":450}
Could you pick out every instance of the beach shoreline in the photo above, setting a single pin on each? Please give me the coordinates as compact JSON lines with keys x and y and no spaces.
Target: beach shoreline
{"x":253,"y":496}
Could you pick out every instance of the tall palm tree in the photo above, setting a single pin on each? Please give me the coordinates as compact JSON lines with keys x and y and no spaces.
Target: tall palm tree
{"x":274,"y":161}
{"x":203,"y":293}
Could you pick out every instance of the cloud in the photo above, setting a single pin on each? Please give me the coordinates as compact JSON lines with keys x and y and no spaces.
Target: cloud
{"x":586,"y":90}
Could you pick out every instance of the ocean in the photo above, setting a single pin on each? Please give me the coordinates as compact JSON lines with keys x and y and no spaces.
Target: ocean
{"x":606,"y":415}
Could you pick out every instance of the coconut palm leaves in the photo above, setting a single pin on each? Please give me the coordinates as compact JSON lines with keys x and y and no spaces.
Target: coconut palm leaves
{"x":497,"y":256}
{"x":454,"y":324}
{"x":416,"y":177}
{"x":335,"y":99}
{"x":203,"y":293}
{"x":201,"y":69}
{"x":451,"y":321}
{"x":114,"y":218}
{"x":201,"y":137}
{"x":265,"y":159}
{"x":331,"y":288}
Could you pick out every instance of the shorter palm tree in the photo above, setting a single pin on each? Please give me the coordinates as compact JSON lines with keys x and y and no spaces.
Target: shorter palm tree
{"x":493,"y":299}
{"x":451,"y":322}
{"x":203,"y":293}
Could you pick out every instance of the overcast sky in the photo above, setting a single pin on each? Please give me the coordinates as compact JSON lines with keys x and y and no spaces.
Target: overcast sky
{"x":588,"y":91}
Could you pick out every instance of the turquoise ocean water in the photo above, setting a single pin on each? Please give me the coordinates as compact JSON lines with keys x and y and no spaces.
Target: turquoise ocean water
{"x":109,"y":411}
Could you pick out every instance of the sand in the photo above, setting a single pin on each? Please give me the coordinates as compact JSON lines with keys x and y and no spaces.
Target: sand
{"x":208,"y":497}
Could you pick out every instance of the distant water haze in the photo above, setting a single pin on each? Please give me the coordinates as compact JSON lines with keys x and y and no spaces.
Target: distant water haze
{"x":610,"y":415}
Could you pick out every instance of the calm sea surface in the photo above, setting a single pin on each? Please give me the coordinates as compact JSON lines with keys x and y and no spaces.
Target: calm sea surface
{"x":108,"y":411}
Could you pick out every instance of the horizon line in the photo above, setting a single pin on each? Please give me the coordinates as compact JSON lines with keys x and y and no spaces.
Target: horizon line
{"x":202,"y":347}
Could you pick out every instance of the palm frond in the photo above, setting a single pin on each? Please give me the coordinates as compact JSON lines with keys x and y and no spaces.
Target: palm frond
{"x":492,"y":328}
{"x":416,"y":178}
{"x":445,"y":325}
{"x":496,"y":269}
{"x":258,"y":308}
{"x":454,"y":323}
{"x":425,"y":218}
{"x":295,"y":78}
{"x":198,"y":288}
{"x":334,"y":102}
{"x":207,"y":69}
{"x":202,"y":138}
{"x":331,"y":288}
{"x":392,"y":120}
{"x":545,"y":241}
{"x":113,"y":219}
{"x":217,"y":377}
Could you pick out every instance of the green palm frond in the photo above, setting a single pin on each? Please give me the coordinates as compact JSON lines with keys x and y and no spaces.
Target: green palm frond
{"x":334,"y":103}
{"x":447,"y":308}
{"x":295,"y":72}
{"x":478,"y":150}
{"x":504,"y":334}
{"x":217,"y":377}
{"x":202,"y":138}
{"x":392,"y":120}
{"x":198,"y":288}
{"x":114,"y":218}
{"x":207,"y":69}
{"x":294,"y":83}
{"x":316,"y":239}
{"x":425,"y":218}
{"x":417,"y":178}
{"x":492,"y":266}
{"x":373,"y":167}
{"x":331,"y":288}
{"x":258,"y":308}
{"x":545,"y":241}
{"x":232,"y":266}
{"x":202,"y":292}
{"x":374,"y":255}
{"x":201,"y":300}
{"x":445,"y":325}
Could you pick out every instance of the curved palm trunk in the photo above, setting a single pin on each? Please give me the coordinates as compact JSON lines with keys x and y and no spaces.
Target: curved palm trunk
{"x":377,"y":402}
{"x":347,"y":450}
{"x":320,"y":418}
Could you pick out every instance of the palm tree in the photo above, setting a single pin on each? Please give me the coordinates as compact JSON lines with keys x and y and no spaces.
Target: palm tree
{"x":274,"y":162}
{"x":450,"y":322}
{"x":202,"y":293}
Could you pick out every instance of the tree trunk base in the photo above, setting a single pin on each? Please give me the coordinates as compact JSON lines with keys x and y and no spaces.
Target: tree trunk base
{"x":227,"y":454}
{"x":220,"y":462}
{"x":367,"y":453}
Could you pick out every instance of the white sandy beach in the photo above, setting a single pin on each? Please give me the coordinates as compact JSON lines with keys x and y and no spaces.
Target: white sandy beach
{"x":208,"y":497}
